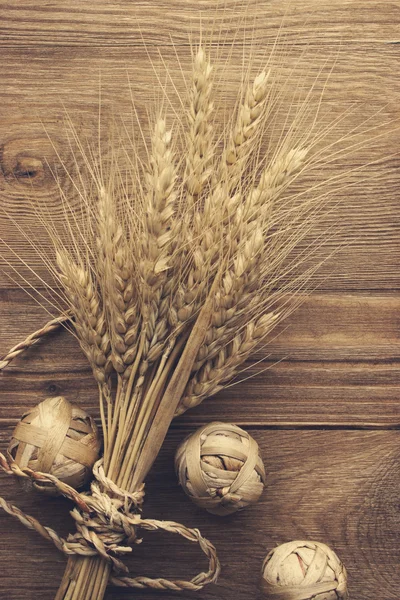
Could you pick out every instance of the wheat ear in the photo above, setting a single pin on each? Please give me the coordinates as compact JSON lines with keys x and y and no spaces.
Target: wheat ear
{"x":200,"y":148}
{"x":219,"y":204}
{"x":259,"y":202}
{"x":233,"y":296}
{"x":247,"y":126}
{"x":90,"y":326}
{"x":156,"y":241}
{"x":200,"y":152}
{"x":209,"y":379}
{"x":118,"y":280}
{"x":246,"y":242}
{"x":90,"y":323}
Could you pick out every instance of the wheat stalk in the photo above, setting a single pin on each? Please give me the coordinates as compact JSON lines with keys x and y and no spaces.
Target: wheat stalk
{"x":155,"y":250}
{"x":91,"y":328}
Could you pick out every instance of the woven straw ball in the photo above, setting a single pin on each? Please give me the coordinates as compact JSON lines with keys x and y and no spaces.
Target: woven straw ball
{"x":59,"y":438}
{"x":220,"y":468}
{"x":303,"y":571}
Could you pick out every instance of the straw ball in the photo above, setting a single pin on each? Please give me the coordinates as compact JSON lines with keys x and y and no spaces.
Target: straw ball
{"x":59,"y":438}
{"x":303,"y":571}
{"x":220,"y":468}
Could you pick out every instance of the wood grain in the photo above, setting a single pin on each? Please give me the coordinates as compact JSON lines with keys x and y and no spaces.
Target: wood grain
{"x":124,"y":23}
{"x":341,"y":369}
{"x":34,"y":143}
{"x":324,"y":404}
{"x":333,"y":486}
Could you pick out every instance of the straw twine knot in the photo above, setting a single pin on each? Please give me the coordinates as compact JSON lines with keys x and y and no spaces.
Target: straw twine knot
{"x":303,"y":571}
{"x":107,"y":520}
{"x":110,"y":522}
{"x":220,"y":469}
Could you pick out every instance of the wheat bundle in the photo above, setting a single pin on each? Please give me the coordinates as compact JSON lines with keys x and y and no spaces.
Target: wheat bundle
{"x":173,"y":273}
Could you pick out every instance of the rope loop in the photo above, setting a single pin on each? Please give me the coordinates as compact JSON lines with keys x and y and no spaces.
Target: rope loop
{"x":107,"y":520}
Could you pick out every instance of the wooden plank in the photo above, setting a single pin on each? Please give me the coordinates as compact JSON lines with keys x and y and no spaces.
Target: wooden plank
{"x":37,"y":81}
{"x":125,"y":23}
{"x":341,"y":350}
{"x":326,"y":326}
{"x":339,"y":487}
{"x":335,"y":362}
{"x":303,"y":395}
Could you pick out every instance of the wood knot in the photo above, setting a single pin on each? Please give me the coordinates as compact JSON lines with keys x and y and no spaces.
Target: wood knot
{"x":26,"y":160}
{"x":29,"y":167}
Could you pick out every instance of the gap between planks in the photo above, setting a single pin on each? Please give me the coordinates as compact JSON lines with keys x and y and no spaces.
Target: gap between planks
{"x":7,"y":424}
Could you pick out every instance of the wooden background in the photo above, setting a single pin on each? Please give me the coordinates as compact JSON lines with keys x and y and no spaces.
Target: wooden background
{"x":327,"y":417}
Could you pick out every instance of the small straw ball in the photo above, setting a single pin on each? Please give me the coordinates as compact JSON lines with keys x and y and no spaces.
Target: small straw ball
{"x":59,"y":438}
{"x":303,"y":571}
{"x":220,"y":468}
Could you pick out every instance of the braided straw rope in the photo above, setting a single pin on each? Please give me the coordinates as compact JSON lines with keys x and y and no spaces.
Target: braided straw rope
{"x":107,"y":520}
{"x":220,"y":468}
{"x":33,"y":338}
{"x":303,"y":571}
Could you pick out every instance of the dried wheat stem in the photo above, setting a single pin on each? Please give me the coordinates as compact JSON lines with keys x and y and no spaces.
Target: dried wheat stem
{"x":128,"y":402}
{"x":90,"y":322}
{"x":150,"y":405}
{"x":90,"y":326}
{"x":156,"y":244}
{"x":170,"y":398}
{"x":117,"y":270}
{"x":155,"y":259}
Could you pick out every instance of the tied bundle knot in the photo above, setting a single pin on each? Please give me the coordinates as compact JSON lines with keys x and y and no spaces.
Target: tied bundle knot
{"x":107,"y":520}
